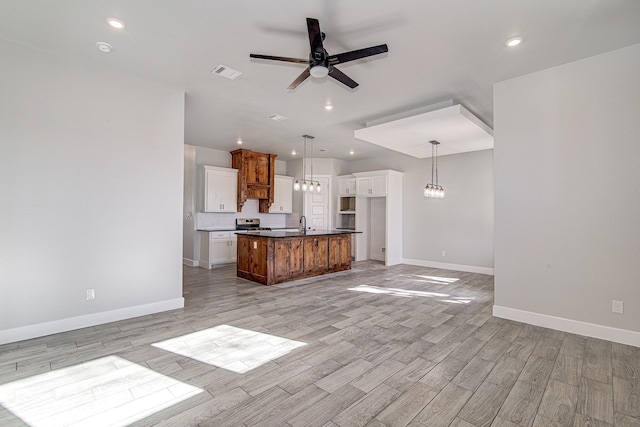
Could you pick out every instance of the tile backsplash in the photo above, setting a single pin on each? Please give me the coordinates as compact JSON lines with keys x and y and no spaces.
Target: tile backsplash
{"x":220,"y":221}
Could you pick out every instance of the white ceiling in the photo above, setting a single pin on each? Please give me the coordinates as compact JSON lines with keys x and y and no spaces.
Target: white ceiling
{"x":453,"y":126}
{"x":438,"y":50}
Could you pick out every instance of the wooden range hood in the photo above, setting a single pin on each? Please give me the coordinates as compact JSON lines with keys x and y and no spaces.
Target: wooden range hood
{"x":255,"y":177}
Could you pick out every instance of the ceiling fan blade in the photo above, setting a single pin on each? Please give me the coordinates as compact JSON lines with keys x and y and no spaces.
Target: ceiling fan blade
{"x":279,"y":58}
{"x":302,"y":77}
{"x":341,"y":58}
{"x":315,"y":38}
{"x":342,"y":77}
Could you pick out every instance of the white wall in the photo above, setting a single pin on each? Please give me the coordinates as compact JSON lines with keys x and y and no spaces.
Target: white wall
{"x":567,"y":165}
{"x":461,"y":224}
{"x":91,"y":171}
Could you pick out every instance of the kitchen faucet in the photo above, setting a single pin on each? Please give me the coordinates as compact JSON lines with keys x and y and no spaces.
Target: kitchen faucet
{"x":303,"y":228}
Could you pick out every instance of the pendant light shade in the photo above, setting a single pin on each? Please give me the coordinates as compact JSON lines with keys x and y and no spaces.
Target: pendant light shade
{"x":433,"y":189}
{"x":305,"y":184}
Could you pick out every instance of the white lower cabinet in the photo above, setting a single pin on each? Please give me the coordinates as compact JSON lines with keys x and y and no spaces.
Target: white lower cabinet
{"x":218,"y":247}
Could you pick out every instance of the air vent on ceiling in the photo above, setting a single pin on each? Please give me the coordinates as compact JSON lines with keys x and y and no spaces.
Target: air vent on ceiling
{"x":224,"y":71}
{"x":277,"y":117}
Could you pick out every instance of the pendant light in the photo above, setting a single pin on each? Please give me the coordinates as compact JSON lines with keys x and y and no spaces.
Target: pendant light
{"x":305,"y":184}
{"x":433,"y":189}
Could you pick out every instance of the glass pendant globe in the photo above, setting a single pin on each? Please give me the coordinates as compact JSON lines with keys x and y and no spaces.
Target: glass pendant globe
{"x":296,"y":186}
{"x":304,"y":186}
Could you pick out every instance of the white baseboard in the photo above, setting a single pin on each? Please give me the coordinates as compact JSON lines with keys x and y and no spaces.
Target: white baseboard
{"x":190,"y":262}
{"x":445,"y":266}
{"x":78,"y":322}
{"x":608,"y":333}
{"x":204,"y":264}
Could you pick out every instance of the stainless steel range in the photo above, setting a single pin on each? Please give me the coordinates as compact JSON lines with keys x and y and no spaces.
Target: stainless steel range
{"x":250,"y":224}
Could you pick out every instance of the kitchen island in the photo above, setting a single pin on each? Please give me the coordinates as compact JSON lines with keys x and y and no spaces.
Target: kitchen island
{"x":270,"y":257}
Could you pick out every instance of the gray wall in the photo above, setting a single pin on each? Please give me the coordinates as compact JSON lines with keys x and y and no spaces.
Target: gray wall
{"x":567,"y":169}
{"x":91,"y":181}
{"x":461,"y":224}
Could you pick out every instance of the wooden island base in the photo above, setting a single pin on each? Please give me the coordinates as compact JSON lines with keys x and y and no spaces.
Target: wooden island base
{"x":276,"y":257}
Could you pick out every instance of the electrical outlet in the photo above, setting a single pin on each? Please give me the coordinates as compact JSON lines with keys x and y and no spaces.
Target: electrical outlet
{"x":617,"y":306}
{"x":255,"y":245}
{"x":91,"y":294}
{"x":444,"y":253}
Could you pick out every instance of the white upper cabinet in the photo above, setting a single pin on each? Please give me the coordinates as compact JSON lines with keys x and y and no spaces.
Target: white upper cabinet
{"x":371,"y":186}
{"x":346,"y":186}
{"x":220,"y":189}
{"x":283,"y":195}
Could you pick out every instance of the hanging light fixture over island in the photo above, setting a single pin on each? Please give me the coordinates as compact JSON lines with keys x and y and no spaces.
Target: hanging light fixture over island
{"x":305,"y":184}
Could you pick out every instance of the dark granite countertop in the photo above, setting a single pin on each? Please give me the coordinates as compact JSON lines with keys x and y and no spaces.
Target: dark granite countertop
{"x":281,"y":233}
{"x":213,"y":230}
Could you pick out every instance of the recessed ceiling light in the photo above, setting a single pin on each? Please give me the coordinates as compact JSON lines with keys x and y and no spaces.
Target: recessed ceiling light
{"x":104,"y":47}
{"x":514,"y":41}
{"x":328,"y":107}
{"x":324,"y":150}
{"x":116,"y":23}
{"x":239,"y":141}
{"x":352,"y":152}
{"x":293,"y":152}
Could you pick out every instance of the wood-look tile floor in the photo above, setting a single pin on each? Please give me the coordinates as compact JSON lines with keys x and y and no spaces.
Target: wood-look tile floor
{"x":374,"y":346}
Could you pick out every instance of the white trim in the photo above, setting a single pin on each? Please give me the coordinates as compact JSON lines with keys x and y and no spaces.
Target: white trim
{"x":190,"y":262}
{"x":204,"y":264}
{"x":78,"y":322}
{"x":608,"y":333}
{"x":445,"y":266}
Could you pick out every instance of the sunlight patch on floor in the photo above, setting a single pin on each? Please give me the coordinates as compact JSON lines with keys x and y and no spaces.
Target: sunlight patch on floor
{"x":406,"y":293}
{"x":397,"y":292}
{"x":458,"y":300}
{"x":430,"y":279}
{"x":235,"y":349}
{"x":110,"y":391}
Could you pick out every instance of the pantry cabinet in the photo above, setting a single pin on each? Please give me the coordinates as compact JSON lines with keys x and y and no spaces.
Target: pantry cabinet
{"x":371,"y":186}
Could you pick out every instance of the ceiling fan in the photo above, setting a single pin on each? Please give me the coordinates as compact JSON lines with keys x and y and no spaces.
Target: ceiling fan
{"x":320,"y":62}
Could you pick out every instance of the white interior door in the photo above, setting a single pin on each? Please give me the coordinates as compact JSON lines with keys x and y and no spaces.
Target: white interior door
{"x":317,"y":206}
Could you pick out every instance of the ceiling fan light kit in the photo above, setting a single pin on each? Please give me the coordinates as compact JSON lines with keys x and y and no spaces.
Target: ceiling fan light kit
{"x":319,"y":71}
{"x":320,"y":63}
